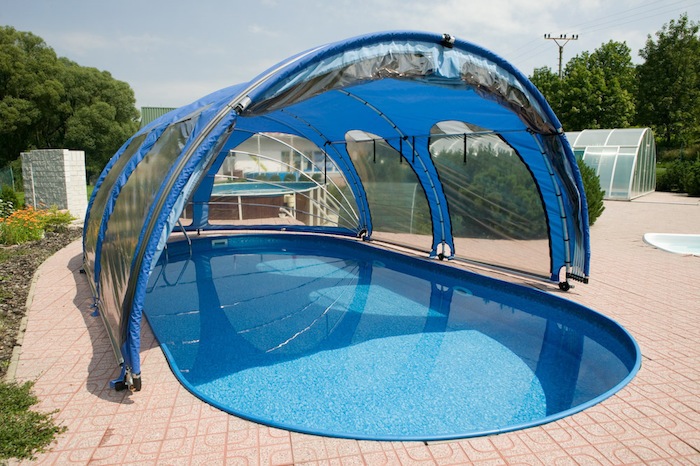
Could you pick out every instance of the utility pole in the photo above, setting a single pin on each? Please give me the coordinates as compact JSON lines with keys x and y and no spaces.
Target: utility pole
{"x":564,"y":40}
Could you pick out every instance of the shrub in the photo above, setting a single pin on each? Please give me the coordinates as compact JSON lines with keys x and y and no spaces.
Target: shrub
{"x":672,"y":178}
{"x":691,"y":180}
{"x":594,"y":195}
{"x":275,"y":177}
{"x":9,"y":195}
{"x":6,"y":208}
{"x":56,"y":220}
{"x":290,"y":177}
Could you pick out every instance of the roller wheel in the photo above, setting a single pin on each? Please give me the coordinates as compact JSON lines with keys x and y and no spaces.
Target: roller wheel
{"x":564,"y":286}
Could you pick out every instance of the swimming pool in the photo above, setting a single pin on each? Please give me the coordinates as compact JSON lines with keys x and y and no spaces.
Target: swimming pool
{"x":336,"y":337}
{"x":675,"y":243}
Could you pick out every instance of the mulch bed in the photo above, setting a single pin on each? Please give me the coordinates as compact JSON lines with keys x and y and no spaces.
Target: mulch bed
{"x":16,"y":273}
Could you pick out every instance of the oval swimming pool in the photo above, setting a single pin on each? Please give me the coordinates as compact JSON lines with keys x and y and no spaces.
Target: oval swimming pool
{"x":339,"y":338}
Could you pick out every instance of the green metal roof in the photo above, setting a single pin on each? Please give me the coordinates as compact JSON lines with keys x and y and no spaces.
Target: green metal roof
{"x":148,"y":114}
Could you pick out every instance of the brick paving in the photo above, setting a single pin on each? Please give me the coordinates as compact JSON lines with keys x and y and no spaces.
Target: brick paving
{"x":654,"y":420}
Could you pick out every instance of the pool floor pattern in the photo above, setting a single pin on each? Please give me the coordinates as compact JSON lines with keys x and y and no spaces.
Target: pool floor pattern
{"x":653,"y":420}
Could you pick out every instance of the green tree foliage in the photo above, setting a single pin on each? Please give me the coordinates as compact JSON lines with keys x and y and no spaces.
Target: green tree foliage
{"x":597,"y":90}
{"x":680,"y":176}
{"x":51,"y":102}
{"x":669,"y":82}
{"x":594,"y":194}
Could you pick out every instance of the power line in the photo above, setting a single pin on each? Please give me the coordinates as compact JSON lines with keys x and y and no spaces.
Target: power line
{"x":561,"y":41}
{"x":656,"y":8}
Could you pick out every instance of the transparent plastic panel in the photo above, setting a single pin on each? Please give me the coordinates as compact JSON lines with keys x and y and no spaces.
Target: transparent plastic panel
{"x":428,"y":63}
{"x":281,"y":179}
{"x":608,"y":156}
{"x":340,"y":72}
{"x":592,"y":158}
{"x":397,"y":203}
{"x":623,"y":174}
{"x":626,"y":137}
{"x":495,"y":207}
{"x":572,"y":136}
{"x":100,"y":202}
{"x":127,"y":219}
{"x":593,"y":137}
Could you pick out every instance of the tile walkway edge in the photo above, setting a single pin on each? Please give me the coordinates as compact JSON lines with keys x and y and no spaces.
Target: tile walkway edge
{"x":17,"y":349}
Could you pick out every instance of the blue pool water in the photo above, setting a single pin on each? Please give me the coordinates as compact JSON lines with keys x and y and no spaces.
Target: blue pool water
{"x":338,"y":338}
{"x":268,"y":188}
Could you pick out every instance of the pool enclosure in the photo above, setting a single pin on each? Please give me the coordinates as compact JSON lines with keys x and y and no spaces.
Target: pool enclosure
{"x":399,"y":138}
{"x":624,"y":159}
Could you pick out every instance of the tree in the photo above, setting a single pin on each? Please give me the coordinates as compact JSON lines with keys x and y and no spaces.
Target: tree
{"x":47,"y":101}
{"x":669,"y":82}
{"x":597,"y":89}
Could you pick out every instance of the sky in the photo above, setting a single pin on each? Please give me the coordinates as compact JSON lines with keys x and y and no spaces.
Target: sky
{"x":173,"y":52}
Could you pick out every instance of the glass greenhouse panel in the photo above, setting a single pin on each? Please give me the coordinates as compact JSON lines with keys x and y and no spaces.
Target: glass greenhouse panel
{"x":281,"y":179}
{"x":495,"y":207}
{"x":397,"y":203}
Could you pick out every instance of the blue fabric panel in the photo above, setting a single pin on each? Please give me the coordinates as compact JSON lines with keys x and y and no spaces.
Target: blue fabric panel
{"x":400,"y":99}
{"x":583,"y":226}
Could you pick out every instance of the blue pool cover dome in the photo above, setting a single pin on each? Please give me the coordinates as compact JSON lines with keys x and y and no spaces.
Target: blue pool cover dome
{"x":443,"y":112}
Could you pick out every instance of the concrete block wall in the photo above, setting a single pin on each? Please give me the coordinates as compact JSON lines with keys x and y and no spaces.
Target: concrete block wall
{"x":55,"y":177}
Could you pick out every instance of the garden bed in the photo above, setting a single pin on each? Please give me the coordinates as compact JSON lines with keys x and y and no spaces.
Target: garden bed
{"x":17,"y":266}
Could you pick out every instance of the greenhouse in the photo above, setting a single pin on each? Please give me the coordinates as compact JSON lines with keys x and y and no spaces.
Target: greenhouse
{"x":406,"y":140}
{"x":624,"y":159}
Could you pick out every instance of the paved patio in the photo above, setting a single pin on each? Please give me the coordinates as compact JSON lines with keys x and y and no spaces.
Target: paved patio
{"x":653,"y":420}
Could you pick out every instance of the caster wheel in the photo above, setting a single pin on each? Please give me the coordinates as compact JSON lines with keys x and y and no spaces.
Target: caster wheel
{"x":564,"y":286}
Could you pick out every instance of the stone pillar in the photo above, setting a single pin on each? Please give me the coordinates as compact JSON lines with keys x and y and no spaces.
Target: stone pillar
{"x":55,"y":177}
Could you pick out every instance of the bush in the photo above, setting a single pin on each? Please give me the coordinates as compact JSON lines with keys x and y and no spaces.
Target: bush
{"x":275,"y":177}
{"x":56,"y":220}
{"x":594,"y":195}
{"x":6,"y":208}
{"x":691,"y":180}
{"x":9,"y":195}
{"x":290,"y":177}
{"x":671,"y":178}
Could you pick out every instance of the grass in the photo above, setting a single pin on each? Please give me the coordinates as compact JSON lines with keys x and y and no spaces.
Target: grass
{"x":24,"y":431}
